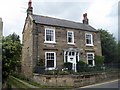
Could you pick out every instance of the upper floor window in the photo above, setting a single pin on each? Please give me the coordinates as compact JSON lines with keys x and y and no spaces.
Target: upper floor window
{"x":49,"y":35}
{"x":89,"y":39}
{"x":70,"y":37}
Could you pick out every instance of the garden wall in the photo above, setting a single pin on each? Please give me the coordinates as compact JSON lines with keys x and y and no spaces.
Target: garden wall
{"x":74,"y":80}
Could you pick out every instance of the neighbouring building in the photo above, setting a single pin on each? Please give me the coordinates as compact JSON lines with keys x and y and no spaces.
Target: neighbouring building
{"x":51,"y":42}
{"x":1,"y":30}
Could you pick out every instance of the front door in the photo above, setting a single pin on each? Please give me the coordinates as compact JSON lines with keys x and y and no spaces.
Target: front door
{"x":72,"y":59}
{"x":72,"y":56}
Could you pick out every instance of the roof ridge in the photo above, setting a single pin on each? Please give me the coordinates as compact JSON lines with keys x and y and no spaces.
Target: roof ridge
{"x":61,"y":22}
{"x":60,"y":19}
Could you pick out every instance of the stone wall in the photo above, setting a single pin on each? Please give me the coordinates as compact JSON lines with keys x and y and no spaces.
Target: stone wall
{"x":27,"y":49}
{"x":74,"y":80}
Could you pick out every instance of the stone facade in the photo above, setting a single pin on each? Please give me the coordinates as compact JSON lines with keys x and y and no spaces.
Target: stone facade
{"x":35,"y":47}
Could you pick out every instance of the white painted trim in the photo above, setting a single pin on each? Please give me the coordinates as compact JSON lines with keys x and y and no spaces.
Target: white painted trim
{"x":53,"y":35}
{"x":91,"y":39}
{"x":78,"y":56}
{"x":72,"y":38}
{"x":74,"y":59}
{"x":54,"y":61}
{"x":64,"y":56}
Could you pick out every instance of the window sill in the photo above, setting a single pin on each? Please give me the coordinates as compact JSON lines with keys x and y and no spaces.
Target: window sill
{"x":71,"y":43}
{"x":91,"y":65}
{"x":50,"y":68}
{"x":89,"y":45}
{"x":49,"y":42}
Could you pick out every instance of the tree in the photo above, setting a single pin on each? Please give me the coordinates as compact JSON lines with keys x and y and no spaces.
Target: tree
{"x":109,"y":46}
{"x":119,"y":52}
{"x":11,"y":55}
{"x":99,"y":60}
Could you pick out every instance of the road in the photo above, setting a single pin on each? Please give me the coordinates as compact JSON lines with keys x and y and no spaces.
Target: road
{"x":111,"y":84}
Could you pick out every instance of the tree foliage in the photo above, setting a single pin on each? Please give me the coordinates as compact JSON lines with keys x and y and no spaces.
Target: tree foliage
{"x":99,"y":60}
{"x":109,"y":46}
{"x":11,"y":54}
{"x":119,"y":52}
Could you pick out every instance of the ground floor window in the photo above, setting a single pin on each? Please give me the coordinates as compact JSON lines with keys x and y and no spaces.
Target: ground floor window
{"x":90,"y":59}
{"x":50,"y":60}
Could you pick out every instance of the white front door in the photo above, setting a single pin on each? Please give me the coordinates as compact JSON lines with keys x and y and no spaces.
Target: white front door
{"x":72,"y":59}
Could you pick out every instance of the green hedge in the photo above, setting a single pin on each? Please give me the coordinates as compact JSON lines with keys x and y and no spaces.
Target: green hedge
{"x":68,"y":65}
{"x":99,"y":60}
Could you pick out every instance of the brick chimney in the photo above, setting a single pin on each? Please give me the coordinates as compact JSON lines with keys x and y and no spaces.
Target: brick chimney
{"x":85,"y":19}
{"x":30,"y":8}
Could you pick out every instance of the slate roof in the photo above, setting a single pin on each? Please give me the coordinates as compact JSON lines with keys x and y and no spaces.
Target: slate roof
{"x":62,"y":23}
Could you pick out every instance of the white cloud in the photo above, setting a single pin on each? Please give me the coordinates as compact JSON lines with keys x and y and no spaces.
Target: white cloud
{"x":99,"y":15}
{"x":12,"y":16}
{"x":100,"y":12}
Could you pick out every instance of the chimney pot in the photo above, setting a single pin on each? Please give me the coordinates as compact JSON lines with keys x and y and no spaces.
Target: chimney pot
{"x":30,"y":8}
{"x":85,"y":19}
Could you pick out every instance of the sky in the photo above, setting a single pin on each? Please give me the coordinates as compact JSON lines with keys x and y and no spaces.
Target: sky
{"x":102,"y":14}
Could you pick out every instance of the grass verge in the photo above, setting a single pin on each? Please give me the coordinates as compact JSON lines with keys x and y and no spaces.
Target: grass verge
{"x":17,"y":84}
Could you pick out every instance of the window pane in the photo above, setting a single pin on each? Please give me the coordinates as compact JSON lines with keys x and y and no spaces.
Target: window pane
{"x":90,"y":58}
{"x":66,"y":53}
{"x":50,"y":63}
{"x":90,"y":62}
{"x":73,"y":53}
{"x":50,"y":59}
{"x":49,"y":35}
{"x":88,"y":39}
{"x":70,"y":53}
{"x":70,"y":37}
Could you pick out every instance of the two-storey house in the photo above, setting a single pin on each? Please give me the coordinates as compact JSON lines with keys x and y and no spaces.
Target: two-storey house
{"x":52,"y":42}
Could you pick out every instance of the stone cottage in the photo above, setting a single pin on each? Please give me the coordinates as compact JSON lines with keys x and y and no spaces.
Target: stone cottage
{"x":51,"y":42}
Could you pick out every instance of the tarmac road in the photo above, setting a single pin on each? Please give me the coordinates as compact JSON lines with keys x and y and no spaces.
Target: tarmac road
{"x":113,"y":85}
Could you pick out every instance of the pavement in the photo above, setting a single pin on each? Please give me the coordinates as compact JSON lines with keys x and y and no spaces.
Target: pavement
{"x":114,"y":84}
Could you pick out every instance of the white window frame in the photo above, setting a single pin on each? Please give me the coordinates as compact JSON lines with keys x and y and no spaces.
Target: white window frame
{"x":50,"y":68}
{"x":91,"y":44}
{"x":93,"y":62}
{"x":53,"y":35}
{"x":72,"y":37}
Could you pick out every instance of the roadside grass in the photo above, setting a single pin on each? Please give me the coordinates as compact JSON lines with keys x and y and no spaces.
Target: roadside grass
{"x":20,"y":77}
{"x":48,"y":87}
{"x":43,"y":86}
{"x":35,"y":84}
{"x":17,"y":84}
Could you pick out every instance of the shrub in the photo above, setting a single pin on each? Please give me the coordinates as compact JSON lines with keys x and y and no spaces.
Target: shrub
{"x":99,"y":60}
{"x":68,"y":65}
{"x":56,"y":72}
{"x":82,"y":67}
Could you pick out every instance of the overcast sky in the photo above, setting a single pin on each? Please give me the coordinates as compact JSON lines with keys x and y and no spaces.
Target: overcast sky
{"x":101,"y":13}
